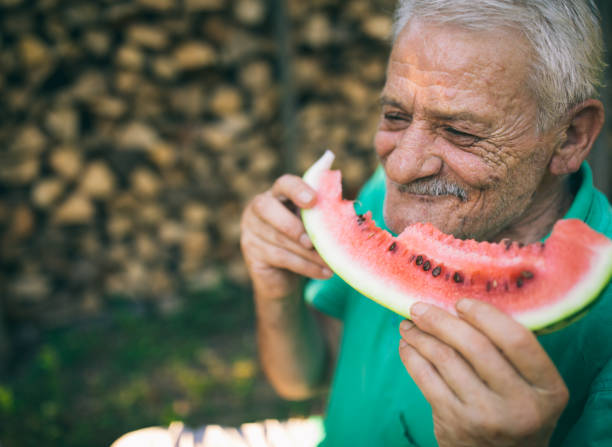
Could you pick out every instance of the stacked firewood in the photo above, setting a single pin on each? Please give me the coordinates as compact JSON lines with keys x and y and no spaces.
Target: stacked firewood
{"x":133,"y":133}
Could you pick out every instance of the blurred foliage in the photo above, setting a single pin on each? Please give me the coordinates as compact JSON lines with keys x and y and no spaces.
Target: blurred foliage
{"x":137,"y":369}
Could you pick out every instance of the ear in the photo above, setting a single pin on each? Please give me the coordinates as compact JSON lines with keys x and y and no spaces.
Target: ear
{"x":585,"y":123}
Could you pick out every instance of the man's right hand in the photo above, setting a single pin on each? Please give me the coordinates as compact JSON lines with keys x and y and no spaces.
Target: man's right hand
{"x":277,"y":251}
{"x":274,"y":243}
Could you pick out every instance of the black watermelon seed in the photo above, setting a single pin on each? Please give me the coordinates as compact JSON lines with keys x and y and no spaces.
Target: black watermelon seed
{"x":411,"y":258}
{"x":457,"y":277}
{"x":521,"y":245}
{"x":519,"y":283}
{"x":508,"y":243}
{"x":527,"y":274}
{"x":436,"y":271}
{"x":419,"y":260}
{"x":427,"y":265}
{"x":360,"y":219}
{"x":393,"y":247}
{"x":489,"y":286}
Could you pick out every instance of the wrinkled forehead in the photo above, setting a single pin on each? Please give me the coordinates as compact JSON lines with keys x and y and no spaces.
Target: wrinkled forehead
{"x":463,"y":54}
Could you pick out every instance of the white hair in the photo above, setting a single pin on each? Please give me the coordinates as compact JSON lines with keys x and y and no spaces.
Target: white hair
{"x":565,"y":35}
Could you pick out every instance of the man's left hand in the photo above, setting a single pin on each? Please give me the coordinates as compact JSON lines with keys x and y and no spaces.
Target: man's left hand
{"x":487,"y":378}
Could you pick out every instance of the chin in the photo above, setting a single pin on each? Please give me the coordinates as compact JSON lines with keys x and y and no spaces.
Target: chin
{"x":396,"y":223}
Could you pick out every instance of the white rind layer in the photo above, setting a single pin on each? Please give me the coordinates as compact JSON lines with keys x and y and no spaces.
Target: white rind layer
{"x":389,"y":295}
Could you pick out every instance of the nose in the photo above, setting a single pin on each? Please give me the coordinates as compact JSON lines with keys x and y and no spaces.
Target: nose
{"x":410,"y":154}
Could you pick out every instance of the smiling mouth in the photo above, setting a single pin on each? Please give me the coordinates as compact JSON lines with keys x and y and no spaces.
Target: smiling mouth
{"x":431,"y":188}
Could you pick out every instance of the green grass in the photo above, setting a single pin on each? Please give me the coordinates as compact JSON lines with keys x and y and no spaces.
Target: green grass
{"x":87,"y":385}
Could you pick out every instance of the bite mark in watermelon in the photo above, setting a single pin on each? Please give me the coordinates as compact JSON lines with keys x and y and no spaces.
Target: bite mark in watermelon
{"x":544,"y":286}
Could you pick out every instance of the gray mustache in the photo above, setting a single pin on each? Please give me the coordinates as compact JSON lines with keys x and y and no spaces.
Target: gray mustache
{"x":434,"y":187}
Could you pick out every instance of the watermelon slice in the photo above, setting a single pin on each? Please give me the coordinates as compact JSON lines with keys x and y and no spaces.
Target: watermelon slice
{"x":544,"y":286}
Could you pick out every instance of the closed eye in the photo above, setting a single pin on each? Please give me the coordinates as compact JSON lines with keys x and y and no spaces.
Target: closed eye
{"x":460,"y":137}
{"x":459,"y":133}
{"x":395,"y":117}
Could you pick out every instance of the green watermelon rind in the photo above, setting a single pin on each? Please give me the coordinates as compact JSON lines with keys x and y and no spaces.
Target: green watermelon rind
{"x":545,"y":319}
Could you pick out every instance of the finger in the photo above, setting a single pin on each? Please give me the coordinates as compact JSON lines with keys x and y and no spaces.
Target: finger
{"x":427,"y":378}
{"x":480,"y":352}
{"x":270,"y":210}
{"x":518,"y":344}
{"x":284,"y":259}
{"x":270,"y":235}
{"x":295,"y":189}
{"x":452,"y":367}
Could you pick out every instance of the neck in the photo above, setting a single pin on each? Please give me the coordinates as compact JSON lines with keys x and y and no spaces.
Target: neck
{"x":549,"y":204}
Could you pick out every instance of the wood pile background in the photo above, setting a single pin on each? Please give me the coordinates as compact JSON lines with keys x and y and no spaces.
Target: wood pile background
{"x":132,"y":134}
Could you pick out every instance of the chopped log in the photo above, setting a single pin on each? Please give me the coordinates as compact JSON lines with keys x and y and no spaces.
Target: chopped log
{"x":196,"y":215}
{"x":165,"y":68}
{"x":147,"y":36}
{"x":46,"y":192}
{"x":194,"y":55}
{"x":34,"y":52}
{"x":163,"y":155}
{"x":317,"y":31}
{"x":137,"y":135}
{"x":250,"y":12}
{"x":63,"y":123}
{"x":226,"y":101}
{"x":29,"y":140}
{"x":97,"y":181}
{"x":66,"y":161}
{"x":130,"y":57}
{"x":145,"y":183}
{"x":109,"y":107}
{"x":378,"y":27}
{"x":256,"y":75}
{"x":76,"y":210}
{"x":119,"y":226}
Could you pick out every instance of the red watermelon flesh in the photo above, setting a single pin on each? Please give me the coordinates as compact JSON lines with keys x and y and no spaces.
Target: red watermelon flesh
{"x":540,"y":285}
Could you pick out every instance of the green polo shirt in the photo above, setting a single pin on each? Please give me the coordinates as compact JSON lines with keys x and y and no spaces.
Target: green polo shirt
{"x":373,"y":400}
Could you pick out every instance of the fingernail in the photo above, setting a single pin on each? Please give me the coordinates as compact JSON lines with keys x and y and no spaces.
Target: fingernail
{"x":305,"y":197}
{"x":405,"y":325}
{"x":463,"y":305}
{"x":305,"y":241}
{"x":327,"y":272}
{"x":418,"y":309}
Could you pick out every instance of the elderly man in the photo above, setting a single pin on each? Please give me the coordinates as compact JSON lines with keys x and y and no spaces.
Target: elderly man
{"x":488,"y":114}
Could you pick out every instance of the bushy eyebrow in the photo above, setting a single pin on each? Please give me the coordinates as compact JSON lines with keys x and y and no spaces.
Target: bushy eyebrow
{"x":458,"y":116}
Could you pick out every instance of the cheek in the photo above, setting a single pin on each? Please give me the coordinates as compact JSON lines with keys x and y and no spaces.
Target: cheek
{"x":384,"y":142}
{"x":475,"y":169}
